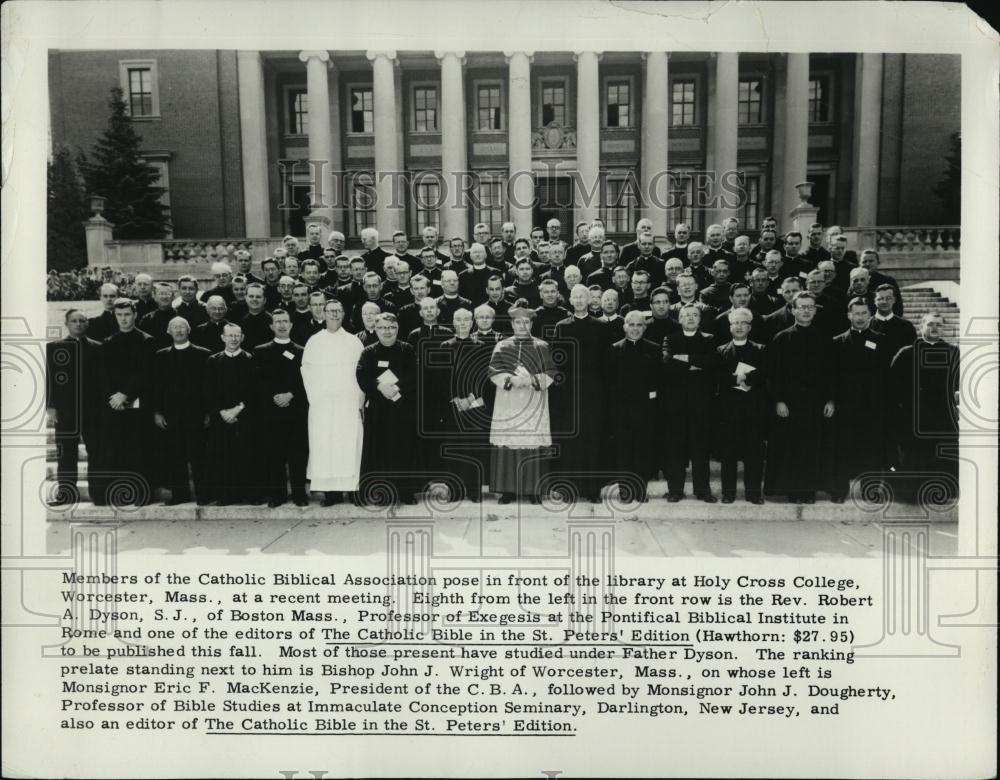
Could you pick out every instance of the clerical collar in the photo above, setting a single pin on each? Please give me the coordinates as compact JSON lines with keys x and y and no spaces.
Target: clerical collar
{"x":739,"y":343}
{"x":610,"y":317}
{"x":690,"y":332}
{"x":583,"y":316}
{"x":282,"y":341}
{"x":928,"y":341}
{"x":484,"y":332}
{"x":450,"y":297}
{"x":884,"y":317}
{"x":227,"y":353}
{"x":859,"y":332}
{"x":185,"y":345}
{"x":632,"y":340}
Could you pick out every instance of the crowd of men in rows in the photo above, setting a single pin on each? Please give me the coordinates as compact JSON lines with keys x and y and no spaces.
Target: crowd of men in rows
{"x":789,"y":356}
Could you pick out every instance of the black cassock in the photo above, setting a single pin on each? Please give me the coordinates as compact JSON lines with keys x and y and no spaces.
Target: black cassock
{"x":742,"y":415}
{"x":801,"y":375}
{"x":633,"y":373}
{"x":578,"y":403}
{"x":896,"y":332}
{"x":73,"y":390}
{"x":860,"y":444}
{"x":391,"y":451}
{"x":102,"y":326}
{"x":155,"y":324}
{"x":432,"y":407}
{"x":256,"y":330}
{"x":924,"y":379}
{"x":686,"y":403}
{"x":234,"y":469}
{"x":285,"y":428}
{"x":178,"y":393}
{"x":208,"y":335}
{"x":466,"y":448}
{"x":126,"y":365}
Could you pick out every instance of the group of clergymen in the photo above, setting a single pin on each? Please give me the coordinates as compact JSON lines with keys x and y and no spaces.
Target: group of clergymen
{"x":521,"y":366}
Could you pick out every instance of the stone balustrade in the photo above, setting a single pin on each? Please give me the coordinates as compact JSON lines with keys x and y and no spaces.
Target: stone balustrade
{"x":906,"y":238}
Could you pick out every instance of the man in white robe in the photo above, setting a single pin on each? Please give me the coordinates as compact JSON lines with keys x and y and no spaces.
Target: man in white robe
{"x":336,"y":432}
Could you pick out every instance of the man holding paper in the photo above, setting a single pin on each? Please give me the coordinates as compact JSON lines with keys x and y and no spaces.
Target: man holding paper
{"x":387,"y":375}
{"x":742,"y":405}
{"x":469,"y":413}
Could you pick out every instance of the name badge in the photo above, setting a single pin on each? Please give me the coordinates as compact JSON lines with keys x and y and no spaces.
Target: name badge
{"x":803,"y":274}
{"x":870,"y":344}
{"x":383,"y":364}
{"x":652,"y":394}
{"x":288,"y":355}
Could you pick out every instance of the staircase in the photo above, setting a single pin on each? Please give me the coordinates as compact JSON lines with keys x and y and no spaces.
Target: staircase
{"x":917,"y":301}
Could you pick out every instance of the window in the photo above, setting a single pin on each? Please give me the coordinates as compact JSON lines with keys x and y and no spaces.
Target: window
{"x":682,"y":96}
{"x":489,"y":107}
{"x":619,"y":206}
{"x":138,"y":80}
{"x":618,"y":108}
{"x":819,"y":98}
{"x":425,"y":109}
{"x":489,"y":196}
{"x":362,"y":111}
{"x":427,"y":197}
{"x":296,"y":111}
{"x":749,"y":213}
{"x":749,"y":102}
{"x":681,"y":199}
{"x":553,"y":101}
{"x":363,"y":201}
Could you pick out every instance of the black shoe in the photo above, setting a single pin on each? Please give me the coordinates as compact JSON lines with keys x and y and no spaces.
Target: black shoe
{"x":172,"y":501}
{"x":728,"y":499}
{"x":808,"y":500}
{"x":672,"y":499}
{"x":300,"y":501}
{"x":331,"y":499}
{"x":708,"y":498}
{"x":274,"y":503}
{"x":408,"y":500}
{"x":505,"y":498}
{"x":758,"y":501}
{"x":202,"y":502}
{"x":837,"y":499}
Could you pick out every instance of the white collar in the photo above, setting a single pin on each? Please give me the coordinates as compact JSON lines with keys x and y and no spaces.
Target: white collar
{"x":229,"y":354}
{"x":185,"y":345}
{"x":884,"y":317}
{"x":282,"y":341}
{"x":689,"y":332}
{"x":740,"y":343}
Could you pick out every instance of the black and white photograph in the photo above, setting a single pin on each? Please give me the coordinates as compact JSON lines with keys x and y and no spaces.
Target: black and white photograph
{"x":675,"y":315}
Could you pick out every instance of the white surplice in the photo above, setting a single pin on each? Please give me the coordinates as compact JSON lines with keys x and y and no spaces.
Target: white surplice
{"x":336,"y":433}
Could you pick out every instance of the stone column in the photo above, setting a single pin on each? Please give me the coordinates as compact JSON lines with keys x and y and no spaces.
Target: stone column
{"x":521,"y":186}
{"x":796,"y":130}
{"x":320,"y":151}
{"x":588,"y":135}
{"x":253,"y":144}
{"x":655,"y":124}
{"x":727,"y":69}
{"x":867,"y":133}
{"x":454,"y":158}
{"x":98,"y":231}
{"x":389,"y":209}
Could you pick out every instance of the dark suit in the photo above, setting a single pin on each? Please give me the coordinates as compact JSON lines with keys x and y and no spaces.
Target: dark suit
{"x":742,"y":417}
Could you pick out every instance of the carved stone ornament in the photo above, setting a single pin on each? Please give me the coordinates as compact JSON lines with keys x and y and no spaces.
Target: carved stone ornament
{"x":553,"y":136}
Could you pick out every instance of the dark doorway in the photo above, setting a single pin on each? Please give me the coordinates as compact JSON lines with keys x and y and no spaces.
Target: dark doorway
{"x":301,"y":197}
{"x":555,"y":199}
{"x":822,"y":196}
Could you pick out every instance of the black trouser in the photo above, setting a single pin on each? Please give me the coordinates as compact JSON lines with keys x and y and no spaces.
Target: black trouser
{"x":123,"y":476}
{"x":688,"y":439}
{"x":288,"y":448}
{"x":68,"y":434}
{"x":859,"y":448}
{"x":184,"y":445}
{"x":796,"y":445}
{"x":634,"y":455}
{"x":742,"y":439}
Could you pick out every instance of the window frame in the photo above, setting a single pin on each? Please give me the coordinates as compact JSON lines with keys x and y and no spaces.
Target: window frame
{"x":762,"y":110}
{"x":606,"y":83}
{"x":631,"y":211}
{"x":352,"y":181}
{"x":694,"y":79}
{"x":503,"y":104}
{"x":417,"y":180}
{"x":124,"y":66}
{"x":822,"y":76}
{"x":349,"y":93}
{"x":491,"y":177}
{"x":568,"y":106}
{"x":745,"y":224}
{"x":286,"y":108}
{"x":414,"y":86}
{"x":692,"y":219}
